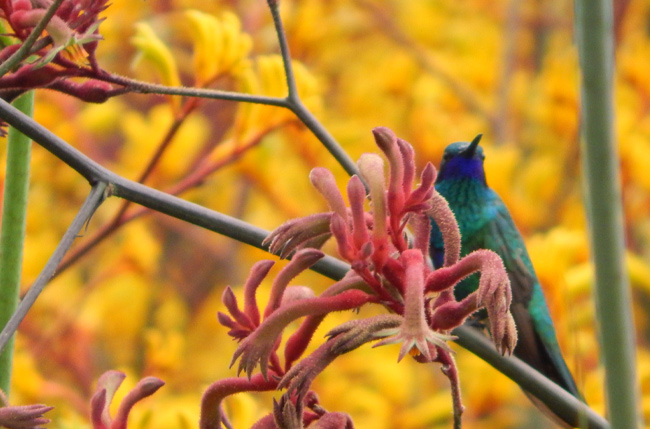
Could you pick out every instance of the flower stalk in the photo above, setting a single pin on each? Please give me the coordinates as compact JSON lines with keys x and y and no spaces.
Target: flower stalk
{"x":601,"y":175}
{"x":12,"y":232}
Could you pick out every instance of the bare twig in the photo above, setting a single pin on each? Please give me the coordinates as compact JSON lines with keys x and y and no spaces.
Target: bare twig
{"x":94,"y":199}
{"x":192,"y":180}
{"x":557,"y":399}
{"x":294,"y":103}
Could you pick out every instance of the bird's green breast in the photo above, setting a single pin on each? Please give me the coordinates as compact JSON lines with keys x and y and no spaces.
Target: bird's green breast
{"x":470,"y":202}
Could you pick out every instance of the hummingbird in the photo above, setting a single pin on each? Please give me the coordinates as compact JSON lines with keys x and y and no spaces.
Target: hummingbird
{"x":485,"y":223}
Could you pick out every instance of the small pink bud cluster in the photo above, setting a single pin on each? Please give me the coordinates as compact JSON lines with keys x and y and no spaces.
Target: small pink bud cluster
{"x":387,"y":247}
{"x":67,"y":51}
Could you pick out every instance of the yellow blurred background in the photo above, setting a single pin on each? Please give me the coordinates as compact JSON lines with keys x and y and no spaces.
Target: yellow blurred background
{"x":144,"y":299}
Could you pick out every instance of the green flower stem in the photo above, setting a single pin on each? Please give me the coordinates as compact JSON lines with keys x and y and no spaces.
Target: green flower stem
{"x":600,"y":161}
{"x":12,"y":231}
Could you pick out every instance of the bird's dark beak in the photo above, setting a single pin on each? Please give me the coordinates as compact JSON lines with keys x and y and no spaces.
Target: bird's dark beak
{"x":469,"y":152}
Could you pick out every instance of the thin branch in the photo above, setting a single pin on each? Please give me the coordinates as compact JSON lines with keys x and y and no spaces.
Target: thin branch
{"x":284,"y":50}
{"x":24,"y":50}
{"x":118,"y":218}
{"x":141,"y":87}
{"x":94,"y":199}
{"x":79,"y":162}
{"x":325,"y":138}
{"x":195,"y":178}
{"x":294,"y":103}
{"x":557,"y":399}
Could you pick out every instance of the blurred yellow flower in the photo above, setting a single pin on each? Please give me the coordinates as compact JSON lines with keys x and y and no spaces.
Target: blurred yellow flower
{"x":103,"y":118}
{"x":28,"y":386}
{"x":144,"y":133}
{"x":156,"y":53}
{"x":267,"y":78}
{"x":219,"y":45}
{"x":115,"y":311}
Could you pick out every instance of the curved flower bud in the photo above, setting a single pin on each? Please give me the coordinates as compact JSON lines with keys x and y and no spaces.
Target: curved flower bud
{"x":302,"y":260}
{"x":387,"y":142}
{"x":324,"y":181}
{"x":145,"y":387}
{"x":425,"y":190}
{"x":371,"y":168}
{"x":357,"y":197}
{"x":493,"y":293}
{"x":408,"y":155}
{"x":107,"y":385}
{"x":257,"y":274}
{"x":446,"y":221}
{"x":310,"y":231}
{"x":211,"y":412}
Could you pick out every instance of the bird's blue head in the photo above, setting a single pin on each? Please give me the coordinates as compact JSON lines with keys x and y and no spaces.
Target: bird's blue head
{"x":463,"y":160}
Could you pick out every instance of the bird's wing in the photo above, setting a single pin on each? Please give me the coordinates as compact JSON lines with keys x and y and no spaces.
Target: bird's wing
{"x":502,"y":236}
{"x":537,"y":344}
